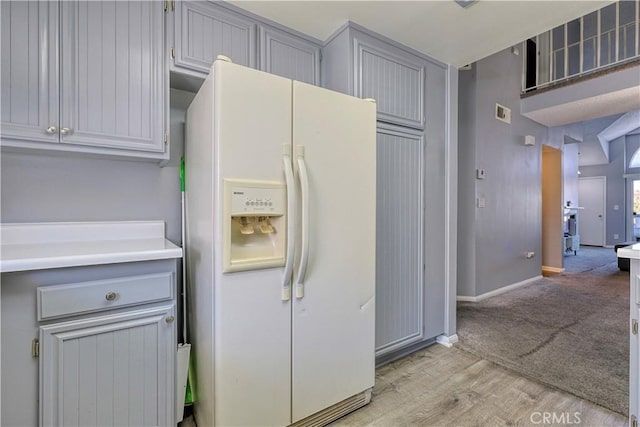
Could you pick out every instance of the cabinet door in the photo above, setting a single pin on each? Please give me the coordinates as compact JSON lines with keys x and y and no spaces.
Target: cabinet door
{"x":111,"y":370}
{"x":289,"y":56}
{"x":395,"y":79}
{"x":399,"y":242}
{"x":29,"y":89}
{"x":204,"y":31}
{"x":634,"y":340}
{"x":113,"y":82}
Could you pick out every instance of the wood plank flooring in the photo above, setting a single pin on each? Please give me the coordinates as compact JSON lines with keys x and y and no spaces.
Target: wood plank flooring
{"x":441,"y":386}
{"x":438,"y":386}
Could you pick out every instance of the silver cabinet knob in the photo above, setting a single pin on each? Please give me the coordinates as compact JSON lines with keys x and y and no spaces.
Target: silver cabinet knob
{"x":169,"y":319}
{"x":65,"y":131}
{"x":111,"y":296}
{"x":51,"y":130}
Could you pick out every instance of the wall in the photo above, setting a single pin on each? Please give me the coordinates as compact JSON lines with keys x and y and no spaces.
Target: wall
{"x":570,"y":154}
{"x":510,"y":224}
{"x":40,"y":187}
{"x":466,"y":271}
{"x":614,"y":172}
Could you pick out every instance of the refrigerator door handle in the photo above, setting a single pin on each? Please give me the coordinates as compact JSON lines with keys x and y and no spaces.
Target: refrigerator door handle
{"x":304,"y":192}
{"x":291,"y":225}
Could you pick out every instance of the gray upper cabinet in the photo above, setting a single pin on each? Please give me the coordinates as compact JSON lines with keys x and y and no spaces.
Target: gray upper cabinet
{"x":361,"y":64}
{"x":289,"y":56}
{"x":84,"y":76}
{"x":29,"y":88}
{"x":203,"y":30}
{"x":394,"y":79}
{"x":112,"y":74}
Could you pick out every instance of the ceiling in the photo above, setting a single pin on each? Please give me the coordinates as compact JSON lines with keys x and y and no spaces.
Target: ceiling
{"x":441,"y":29}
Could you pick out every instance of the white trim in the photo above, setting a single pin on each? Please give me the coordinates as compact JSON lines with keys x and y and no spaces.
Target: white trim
{"x":451,"y":201}
{"x":547,"y":269}
{"x":447,"y":341}
{"x":499,"y":290}
{"x":628,"y":220}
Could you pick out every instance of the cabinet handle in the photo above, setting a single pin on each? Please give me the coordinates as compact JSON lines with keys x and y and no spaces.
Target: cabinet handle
{"x":66,"y":131}
{"x":51,"y":130}
{"x":111,"y":296}
{"x":169,"y":319}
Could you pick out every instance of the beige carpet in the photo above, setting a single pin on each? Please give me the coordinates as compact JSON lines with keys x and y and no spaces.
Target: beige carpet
{"x":568,"y":331}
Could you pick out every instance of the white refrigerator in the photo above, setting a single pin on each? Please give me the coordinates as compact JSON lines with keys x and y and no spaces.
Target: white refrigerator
{"x":280,"y":201}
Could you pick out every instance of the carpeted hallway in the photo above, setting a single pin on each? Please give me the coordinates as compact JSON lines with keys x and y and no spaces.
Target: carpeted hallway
{"x":568,"y":331}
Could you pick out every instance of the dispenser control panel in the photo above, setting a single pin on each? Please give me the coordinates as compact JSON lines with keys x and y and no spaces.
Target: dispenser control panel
{"x":254,"y":224}
{"x":247,"y":200}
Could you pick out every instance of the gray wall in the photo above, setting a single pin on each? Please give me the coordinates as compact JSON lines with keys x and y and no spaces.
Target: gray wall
{"x":42,"y":187}
{"x":570,"y":174}
{"x":466,"y":271}
{"x":510,"y":225}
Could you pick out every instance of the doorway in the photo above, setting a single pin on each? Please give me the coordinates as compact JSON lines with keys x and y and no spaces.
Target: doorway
{"x":552,"y":215}
{"x":592,"y":195}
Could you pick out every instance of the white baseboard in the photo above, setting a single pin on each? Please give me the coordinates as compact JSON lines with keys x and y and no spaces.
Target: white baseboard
{"x":447,"y":341}
{"x":548,"y":269}
{"x":498,"y":291}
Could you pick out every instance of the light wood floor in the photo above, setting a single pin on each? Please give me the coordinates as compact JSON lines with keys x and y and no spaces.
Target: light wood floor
{"x":438,"y":386}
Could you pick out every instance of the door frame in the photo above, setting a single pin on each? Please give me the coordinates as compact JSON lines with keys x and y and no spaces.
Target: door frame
{"x":604,"y":205}
{"x":628,"y":219}
{"x":551,"y":210}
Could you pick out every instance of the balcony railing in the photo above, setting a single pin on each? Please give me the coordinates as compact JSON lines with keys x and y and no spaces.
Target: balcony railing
{"x":605,"y":38}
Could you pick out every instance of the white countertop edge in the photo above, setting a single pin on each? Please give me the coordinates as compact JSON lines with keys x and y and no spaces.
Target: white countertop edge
{"x":632,"y":252}
{"x":8,"y":266}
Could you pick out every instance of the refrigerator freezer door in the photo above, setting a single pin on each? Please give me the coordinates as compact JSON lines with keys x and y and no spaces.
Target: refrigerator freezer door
{"x":333,"y":323}
{"x":252,"y":323}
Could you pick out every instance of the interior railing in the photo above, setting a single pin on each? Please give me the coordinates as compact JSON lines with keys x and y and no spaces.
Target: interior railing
{"x":602,"y":39}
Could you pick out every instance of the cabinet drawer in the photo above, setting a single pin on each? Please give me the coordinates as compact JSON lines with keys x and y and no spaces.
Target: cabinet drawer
{"x":86,"y":297}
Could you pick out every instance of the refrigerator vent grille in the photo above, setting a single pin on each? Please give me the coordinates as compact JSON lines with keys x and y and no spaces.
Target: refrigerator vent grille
{"x":336,"y":411}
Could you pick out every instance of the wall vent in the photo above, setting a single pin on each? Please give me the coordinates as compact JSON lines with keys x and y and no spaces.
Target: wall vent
{"x":503,"y":113}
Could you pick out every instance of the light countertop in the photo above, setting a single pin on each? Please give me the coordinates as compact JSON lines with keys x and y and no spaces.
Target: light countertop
{"x":632,"y":252}
{"x":36,"y":246}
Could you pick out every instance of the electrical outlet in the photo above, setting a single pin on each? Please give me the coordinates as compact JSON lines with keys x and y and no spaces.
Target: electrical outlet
{"x":616,"y":207}
{"x":616,"y":236}
{"x":480,"y":173}
{"x":482,"y":202}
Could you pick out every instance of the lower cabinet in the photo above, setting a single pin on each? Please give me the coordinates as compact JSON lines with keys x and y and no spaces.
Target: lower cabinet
{"x":634,"y":344}
{"x":108,"y":370}
{"x":89,"y":346}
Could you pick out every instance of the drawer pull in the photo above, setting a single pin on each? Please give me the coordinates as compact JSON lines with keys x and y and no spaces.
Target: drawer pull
{"x":169,"y":319}
{"x":111,"y":296}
